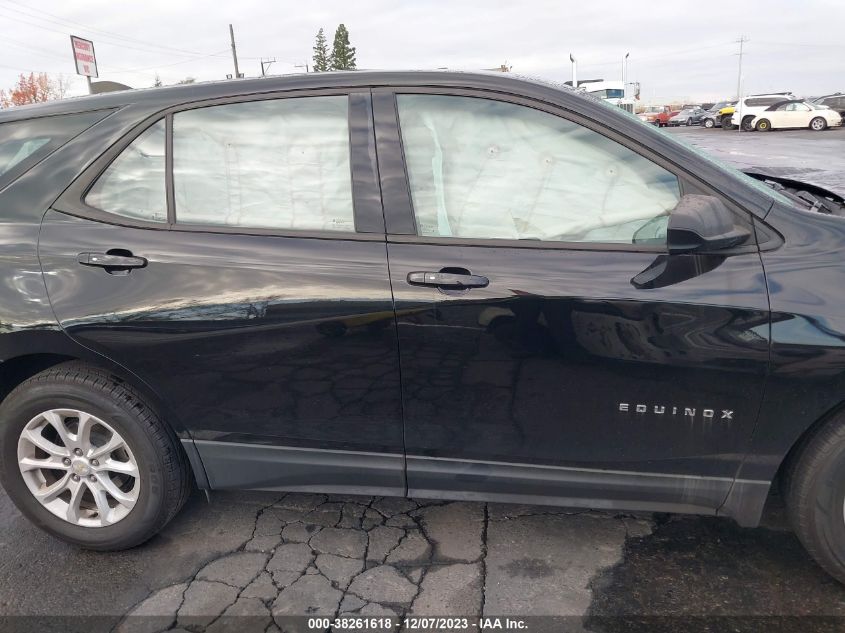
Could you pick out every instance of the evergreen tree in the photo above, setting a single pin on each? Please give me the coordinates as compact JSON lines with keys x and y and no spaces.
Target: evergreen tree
{"x":343,"y":55}
{"x":321,"y":53}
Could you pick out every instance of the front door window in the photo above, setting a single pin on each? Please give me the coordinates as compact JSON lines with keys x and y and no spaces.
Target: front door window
{"x":492,"y":170}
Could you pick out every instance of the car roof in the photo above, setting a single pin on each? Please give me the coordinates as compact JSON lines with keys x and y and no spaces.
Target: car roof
{"x":775,"y":106}
{"x":184,"y":93}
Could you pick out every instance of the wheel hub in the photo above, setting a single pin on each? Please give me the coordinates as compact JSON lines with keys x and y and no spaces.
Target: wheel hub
{"x":78,"y":467}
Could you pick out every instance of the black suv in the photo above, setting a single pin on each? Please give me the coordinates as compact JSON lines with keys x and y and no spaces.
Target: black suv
{"x":835,"y":101}
{"x":429,"y":284}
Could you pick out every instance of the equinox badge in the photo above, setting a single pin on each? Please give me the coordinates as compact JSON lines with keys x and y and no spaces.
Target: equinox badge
{"x":659,"y":409}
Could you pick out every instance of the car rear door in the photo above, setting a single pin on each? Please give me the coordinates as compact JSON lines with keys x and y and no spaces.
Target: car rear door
{"x":231,"y":255}
{"x":551,"y":349}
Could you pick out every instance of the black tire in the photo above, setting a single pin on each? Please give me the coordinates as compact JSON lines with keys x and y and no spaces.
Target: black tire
{"x":164,"y":473}
{"x":764,"y":125}
{"x":818,"y":124}
{"x":689,"y":122}
{"x":814,"y":490}
{"x":726,"y":122}
{"x":709,"y":123}
{"x":746,"y":124}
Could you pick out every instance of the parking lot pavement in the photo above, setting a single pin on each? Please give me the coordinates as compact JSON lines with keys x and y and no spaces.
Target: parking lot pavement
{"x":264,"y":555}
{"x":268,"y":555}
{"x":815,"y":157}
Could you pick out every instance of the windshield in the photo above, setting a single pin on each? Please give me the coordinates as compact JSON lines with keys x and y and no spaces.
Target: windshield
{"x":609,"y":93}
{"x":725,"y":167}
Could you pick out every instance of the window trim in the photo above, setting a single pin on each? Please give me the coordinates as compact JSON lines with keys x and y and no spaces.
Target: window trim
{"x":400,"y":218}
{"x":367,"y":212}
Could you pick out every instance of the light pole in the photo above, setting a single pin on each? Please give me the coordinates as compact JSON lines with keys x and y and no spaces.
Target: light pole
{"x":625,"y":75}
{"x":574,"y":71}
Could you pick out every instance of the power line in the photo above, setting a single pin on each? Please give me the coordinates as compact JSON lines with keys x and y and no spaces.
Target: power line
{"x":156,"y":66}
{"x":32,"y":49}
{"x":802,"y":45}
{"x":106,"y":43}
{"x":661,"y":55}
{"x":106,"y":34}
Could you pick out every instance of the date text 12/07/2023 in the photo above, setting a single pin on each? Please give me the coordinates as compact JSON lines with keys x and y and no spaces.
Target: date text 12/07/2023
{"x":432,"y":624}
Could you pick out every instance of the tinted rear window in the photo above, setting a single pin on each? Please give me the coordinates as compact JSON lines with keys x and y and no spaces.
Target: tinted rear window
{"x":24,"y":143}
{"x":761,"y":101}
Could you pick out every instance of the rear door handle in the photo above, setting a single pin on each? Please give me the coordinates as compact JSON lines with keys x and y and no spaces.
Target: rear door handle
{"x":447,"y":280}
{"x":105,"y":260}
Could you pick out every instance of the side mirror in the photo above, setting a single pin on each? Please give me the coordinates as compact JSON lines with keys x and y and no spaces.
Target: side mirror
{"x":703,"y":224}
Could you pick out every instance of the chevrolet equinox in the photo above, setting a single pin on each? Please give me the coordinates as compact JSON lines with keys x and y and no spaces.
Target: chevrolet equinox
{"x":449,"y":285}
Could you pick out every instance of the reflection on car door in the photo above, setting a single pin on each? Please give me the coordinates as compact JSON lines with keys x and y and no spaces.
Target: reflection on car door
{"x":262,"y":314}
{"x":590,"y":365}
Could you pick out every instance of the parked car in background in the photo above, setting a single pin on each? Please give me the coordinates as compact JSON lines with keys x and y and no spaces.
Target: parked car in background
{"x":725,"y":116}
{"x":662,"y":119}
{"x":713,"y":116}
{"x":796,"y":114}
{"x":835,"y":101}
{"x":650,"y":114}
{"x":752,"y":105}
{"x":688,"y":116}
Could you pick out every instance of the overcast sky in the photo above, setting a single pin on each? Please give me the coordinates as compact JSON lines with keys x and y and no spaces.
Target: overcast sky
{"x":678,"y":50}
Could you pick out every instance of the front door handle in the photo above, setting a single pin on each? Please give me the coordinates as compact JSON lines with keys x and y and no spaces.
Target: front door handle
{"x":108,"y":260}
{"x":447,"y":280}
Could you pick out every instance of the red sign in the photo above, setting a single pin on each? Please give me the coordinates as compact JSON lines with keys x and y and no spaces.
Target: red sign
{"x":83,"y":55}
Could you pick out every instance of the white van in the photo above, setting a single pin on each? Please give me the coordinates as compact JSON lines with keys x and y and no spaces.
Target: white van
{"x":751,"y":106}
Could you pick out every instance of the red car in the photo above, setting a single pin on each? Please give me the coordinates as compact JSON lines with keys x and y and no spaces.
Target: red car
{"x":657,"y":115}
{"x":662,"y":119}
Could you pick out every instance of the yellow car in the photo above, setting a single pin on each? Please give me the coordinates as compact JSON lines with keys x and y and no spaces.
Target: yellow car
{"x":725,"y":116}
{"x":718,"y":114}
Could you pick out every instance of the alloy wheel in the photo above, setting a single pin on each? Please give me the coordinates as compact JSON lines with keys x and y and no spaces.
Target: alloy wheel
{"x":78,"y":467}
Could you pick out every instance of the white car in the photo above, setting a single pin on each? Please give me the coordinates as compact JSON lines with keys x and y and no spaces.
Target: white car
{"x":796,"y":114}
{"x":754,"y":105}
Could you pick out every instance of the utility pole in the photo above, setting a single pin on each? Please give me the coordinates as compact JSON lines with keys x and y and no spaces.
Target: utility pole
{"x":303,"y":65}
{"x":234,"y":52}
{"x":574,"y":71}
{"x":741,"y":41}
{"x":266,"y":65}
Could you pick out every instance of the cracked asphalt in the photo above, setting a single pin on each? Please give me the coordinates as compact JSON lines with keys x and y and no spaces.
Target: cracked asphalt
{"x":266,"y":556}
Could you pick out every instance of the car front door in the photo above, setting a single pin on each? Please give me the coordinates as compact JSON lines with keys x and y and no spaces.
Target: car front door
{"x":232,"y":257}
{"x":797,"y":115}
{"x":551,"y":349}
